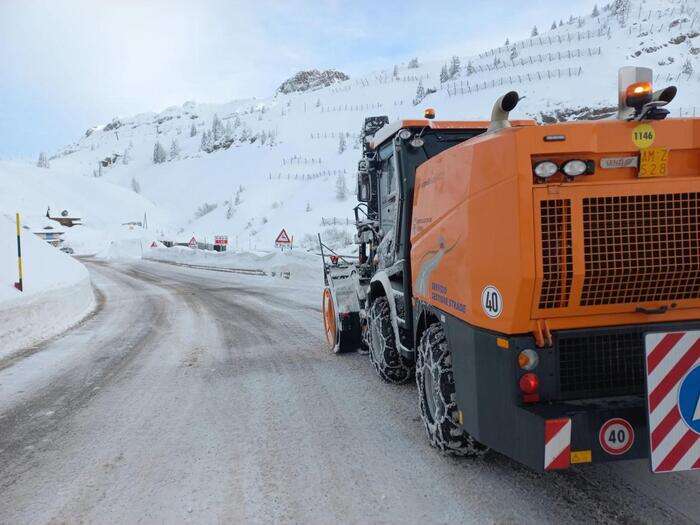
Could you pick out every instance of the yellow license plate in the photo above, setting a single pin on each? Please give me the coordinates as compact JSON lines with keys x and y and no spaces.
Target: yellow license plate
{"x":653,"y":162}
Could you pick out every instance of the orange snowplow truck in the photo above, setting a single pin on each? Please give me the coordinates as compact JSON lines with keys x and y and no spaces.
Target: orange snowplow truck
{"x":540,"y":282}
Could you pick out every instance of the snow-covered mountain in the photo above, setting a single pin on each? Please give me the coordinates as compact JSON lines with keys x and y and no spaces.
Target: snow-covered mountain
{"x":249,"y":168}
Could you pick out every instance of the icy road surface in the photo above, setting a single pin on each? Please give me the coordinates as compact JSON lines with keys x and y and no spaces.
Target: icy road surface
{"x":195,"y":396}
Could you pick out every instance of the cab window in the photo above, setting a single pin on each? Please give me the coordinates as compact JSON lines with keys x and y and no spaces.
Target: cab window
{"x":388,"y":194}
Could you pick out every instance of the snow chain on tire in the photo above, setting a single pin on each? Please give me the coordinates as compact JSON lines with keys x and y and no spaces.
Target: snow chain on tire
{"x":391,"y":366}
{"x":441,"y":423}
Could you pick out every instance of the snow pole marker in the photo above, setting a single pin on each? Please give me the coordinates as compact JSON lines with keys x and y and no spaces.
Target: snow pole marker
{"x":19,"y":285}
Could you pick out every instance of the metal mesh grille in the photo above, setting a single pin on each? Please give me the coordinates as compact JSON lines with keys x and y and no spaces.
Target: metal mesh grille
{"x":641,"y":248}
{"x":601,"y":365}
{"x":557,"y":265}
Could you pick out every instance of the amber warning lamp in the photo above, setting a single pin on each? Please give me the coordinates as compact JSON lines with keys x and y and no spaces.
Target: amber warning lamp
{"x":638,"y":94}
{"x":429,"y":113}
{"x":637,"y":99}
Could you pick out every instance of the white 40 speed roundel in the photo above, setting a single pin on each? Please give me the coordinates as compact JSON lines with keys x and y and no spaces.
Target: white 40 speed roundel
{"x":492,"y":301}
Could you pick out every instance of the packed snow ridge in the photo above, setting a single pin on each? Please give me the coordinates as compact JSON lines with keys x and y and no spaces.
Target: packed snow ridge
{"x":311,"y":79}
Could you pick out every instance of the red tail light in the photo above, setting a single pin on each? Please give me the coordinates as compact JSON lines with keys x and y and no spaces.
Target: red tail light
{"x":529,"y":385}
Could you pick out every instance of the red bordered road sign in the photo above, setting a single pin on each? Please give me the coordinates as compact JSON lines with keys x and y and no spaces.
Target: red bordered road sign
{"x":616,"y":436}
{"x":283,"y":238}
{"x":673,"y":398}
{"x":192,"y":243}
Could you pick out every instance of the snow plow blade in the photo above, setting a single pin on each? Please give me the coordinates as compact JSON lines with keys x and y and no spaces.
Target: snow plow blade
{"x":341,"y":306}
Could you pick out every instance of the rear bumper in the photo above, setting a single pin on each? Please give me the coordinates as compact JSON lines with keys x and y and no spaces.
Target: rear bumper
{"x":584,"y":443}
{"x":493,"y":411}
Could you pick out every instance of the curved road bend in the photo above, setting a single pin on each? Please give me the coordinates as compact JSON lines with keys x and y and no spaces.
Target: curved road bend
{"x":195,"y":396}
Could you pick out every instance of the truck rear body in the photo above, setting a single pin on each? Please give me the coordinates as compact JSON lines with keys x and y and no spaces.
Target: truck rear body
{"x":577,"y":269}
{"x":556,"y":266}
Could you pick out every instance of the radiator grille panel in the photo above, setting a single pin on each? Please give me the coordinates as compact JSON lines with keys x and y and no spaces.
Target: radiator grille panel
{"x":601,"y":365}
{"x":557,"y":264}
{"x":641,"y":248}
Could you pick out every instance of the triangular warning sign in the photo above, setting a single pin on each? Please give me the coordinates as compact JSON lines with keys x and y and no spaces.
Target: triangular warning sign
{"x":283,"y":238}
{"x":154,"y":244}
{"x":193,"y":243}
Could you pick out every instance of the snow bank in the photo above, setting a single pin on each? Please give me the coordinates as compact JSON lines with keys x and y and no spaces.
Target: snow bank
{"x":299,"y":264}
{"x":57,"y":290}
{"x":105,"y":209}
{"x":122,"y":249}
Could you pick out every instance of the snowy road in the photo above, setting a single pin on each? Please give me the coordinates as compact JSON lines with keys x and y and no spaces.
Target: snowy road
{"x":195,"y":396}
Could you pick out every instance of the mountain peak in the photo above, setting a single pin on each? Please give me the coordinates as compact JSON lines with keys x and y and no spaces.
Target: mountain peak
{"x":310,"y":80}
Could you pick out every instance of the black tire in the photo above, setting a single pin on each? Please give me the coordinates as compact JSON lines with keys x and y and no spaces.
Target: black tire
{"x":437,"y":398}
{"x":391,"y":366}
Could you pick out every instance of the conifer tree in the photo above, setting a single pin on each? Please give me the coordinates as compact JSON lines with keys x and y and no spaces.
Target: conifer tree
{"x":159,"y":155}
{"x":455,"y":66}
{"x":217,"y":129}
{"x":341,"y":188}
{"x":420,"y":93}
{"x":43,"y":161}
{"x":174,"y":150}
{"x":444,"y":75}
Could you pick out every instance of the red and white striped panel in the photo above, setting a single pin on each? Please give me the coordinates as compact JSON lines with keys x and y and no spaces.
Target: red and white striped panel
{"x":669,"y":357}
{"x":557,"y":443}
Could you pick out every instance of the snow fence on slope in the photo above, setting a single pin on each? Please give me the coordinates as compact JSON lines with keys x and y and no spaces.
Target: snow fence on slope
{"x":57,"y":290}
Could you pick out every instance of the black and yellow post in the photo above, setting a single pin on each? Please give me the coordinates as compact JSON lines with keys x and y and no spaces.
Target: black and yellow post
{"x":19,"y":284}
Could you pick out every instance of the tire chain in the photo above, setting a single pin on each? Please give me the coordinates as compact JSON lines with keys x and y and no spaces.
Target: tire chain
{"x":445,"y":433}
{"x":393,"y":367}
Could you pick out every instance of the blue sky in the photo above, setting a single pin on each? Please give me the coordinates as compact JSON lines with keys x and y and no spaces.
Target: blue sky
{"x":66,"y":65}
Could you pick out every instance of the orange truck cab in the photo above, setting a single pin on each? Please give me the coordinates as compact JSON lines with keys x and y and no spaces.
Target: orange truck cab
{"x":540,"y":282}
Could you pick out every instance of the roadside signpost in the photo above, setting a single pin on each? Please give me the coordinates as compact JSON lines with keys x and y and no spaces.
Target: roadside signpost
{"x":193,"y":243}
{"x":220,"y":243}
{"x":283,"y":240}
{"x":19,"y":284}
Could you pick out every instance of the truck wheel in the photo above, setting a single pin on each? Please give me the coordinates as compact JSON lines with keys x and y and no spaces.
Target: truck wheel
{"x":437,"y":398}
{"x":391,"y":366}
{"x":338,"y":341}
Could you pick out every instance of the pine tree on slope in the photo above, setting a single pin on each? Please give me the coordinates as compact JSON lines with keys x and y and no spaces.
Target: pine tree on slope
{"x":455,"y":66}
{"x":174,"y":150}
{"x":159,"y":154}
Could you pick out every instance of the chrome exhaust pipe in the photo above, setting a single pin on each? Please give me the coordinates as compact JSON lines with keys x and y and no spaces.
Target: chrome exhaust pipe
{"x":503,"y":106}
